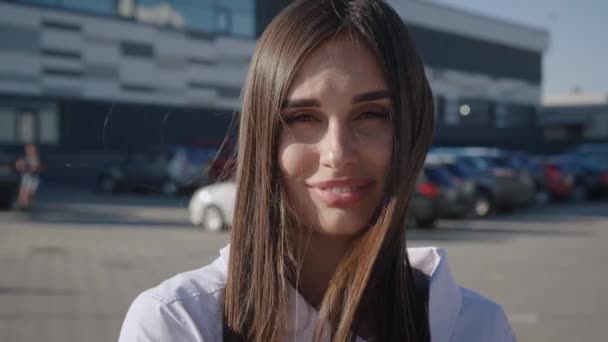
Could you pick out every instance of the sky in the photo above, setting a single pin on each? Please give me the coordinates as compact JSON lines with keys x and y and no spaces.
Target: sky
{"x":578,"y":41}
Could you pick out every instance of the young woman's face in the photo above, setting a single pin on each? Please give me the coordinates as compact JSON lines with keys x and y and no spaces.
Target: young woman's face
{"x":335,"y":149}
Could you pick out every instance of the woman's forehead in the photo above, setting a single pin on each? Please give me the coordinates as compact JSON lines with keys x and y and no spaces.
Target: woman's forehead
{"x":339,"y":63}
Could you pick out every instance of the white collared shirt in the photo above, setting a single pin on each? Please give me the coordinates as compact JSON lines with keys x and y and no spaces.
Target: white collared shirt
{"x":188,"y":307}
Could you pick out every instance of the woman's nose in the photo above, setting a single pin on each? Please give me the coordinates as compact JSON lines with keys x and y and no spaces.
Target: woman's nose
{"x":338,"y":147}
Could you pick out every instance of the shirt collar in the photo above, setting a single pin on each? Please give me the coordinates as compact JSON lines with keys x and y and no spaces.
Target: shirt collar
{"x":445,"y":299}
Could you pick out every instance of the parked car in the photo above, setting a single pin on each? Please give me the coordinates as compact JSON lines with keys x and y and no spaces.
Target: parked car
{"x":455,"y":197}
{"x":590,"y":176}
{"x":424,"y":207}
{"x":483,"y":184}
{"x":506,"y":188}
{"x":514,"y":184}
{"x":9,"y":180}
{"x":166,"y":169}
{"x":560,"y":178}
{"x":212,"y":206}
{"x":536,"y":169}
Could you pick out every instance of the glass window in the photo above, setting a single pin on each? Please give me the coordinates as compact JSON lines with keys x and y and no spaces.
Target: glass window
{"x":222,"y":21}
{"x":241,"y":6}
{"x":196,"y":17}
{"x":475,"y":112}
{"x":243,"y":25}
{"x":93,"y":6}
{"x":438,"y":175}
{"x":7,"y":124}
{"x":42,"y":2}
{"x":27,"y":127}
{"x":194,"y":3}
{"x":49,"y":132}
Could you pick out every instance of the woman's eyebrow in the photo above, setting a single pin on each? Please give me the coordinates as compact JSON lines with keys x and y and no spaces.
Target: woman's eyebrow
{"x":301,"y":103}
{"x":363,"y":97}
{"x":372,"y":96}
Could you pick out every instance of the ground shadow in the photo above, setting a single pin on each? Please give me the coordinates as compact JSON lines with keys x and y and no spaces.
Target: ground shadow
{"x":79,"y":215}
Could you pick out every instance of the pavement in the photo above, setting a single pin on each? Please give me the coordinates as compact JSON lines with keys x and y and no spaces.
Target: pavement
{"x":71,"y":267}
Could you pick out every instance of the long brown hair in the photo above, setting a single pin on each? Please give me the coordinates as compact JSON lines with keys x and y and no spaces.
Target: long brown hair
{"x":374,"y":282}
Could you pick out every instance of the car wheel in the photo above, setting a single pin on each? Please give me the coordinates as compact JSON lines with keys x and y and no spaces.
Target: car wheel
{"x":107,"y":185}
{"x":213,"y":219}
{"x":482,"y":207}
{"x":169,"y":188}
{"x":426,"y":223}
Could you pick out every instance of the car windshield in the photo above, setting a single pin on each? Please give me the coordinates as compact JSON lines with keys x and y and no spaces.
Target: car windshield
{"x":459,"y":169}
{"x":438,"y":175}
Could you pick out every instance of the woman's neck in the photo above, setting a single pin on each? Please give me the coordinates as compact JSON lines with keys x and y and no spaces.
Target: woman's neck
{"x":320,"y":255}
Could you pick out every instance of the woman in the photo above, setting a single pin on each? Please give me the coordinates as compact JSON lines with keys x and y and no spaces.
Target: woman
{"x":336,"y":121}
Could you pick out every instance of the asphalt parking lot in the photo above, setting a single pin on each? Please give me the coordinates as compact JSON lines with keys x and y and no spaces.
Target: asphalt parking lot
{"x":71,"y":267}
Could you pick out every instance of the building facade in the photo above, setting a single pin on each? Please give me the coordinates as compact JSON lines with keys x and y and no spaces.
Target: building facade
{"x":104,"y":75}
{"x":98,"y":75}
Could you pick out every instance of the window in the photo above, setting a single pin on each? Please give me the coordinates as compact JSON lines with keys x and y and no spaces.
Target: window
{"x":475,"y":112}
{"x":105,"y":7}
{"x":450,"y":112}
{"x":243,"y":24}
{"x":27,"y":127}
{"x":42,"y":2}
{"x":28,"y":121}
{"x":7,"y":124}
{"x":223,"y":21}
{"x":241,"y":6}
{"x":195,"y":16}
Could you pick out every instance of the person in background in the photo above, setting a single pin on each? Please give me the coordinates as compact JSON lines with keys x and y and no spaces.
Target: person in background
{"x":336,"y":121}
{"x":30,"y":167}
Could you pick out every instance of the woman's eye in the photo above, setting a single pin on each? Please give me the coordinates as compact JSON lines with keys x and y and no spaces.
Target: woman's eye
{"x":301,"y":117}
{"x":373,"y":115}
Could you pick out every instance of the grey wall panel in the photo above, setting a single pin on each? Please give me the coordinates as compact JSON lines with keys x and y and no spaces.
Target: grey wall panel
{"x":172,"y":45}
{"x":122,"y":30}
{"x":62,"y":63}
{"x":132,"y":48}
{"x":138,"y":88}
{"x":60,"y":72}
{"x":100,"y":31}
{"x":171,"y":78}
{"x":20,"y":63}
{"x":96,"y":72}
{"x":137,"y":71}
{"x":52,"y":24}
{"x":96,"y":52}
{"x":64,"y":53}
{"x":20,"y":78}
{"x":101,"y":89}
{"x":201,"y":97}
{"x":62,"y":91}
{"x":171,"y":62}
{"x":62,"y":83}
{"x":61,"y":40}
{"x":19,"y":16}
{"x":201,"y":50}
{"x":18,"y":38}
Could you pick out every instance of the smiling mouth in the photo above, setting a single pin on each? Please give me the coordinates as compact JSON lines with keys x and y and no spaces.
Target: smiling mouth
{"x":340,"y":195}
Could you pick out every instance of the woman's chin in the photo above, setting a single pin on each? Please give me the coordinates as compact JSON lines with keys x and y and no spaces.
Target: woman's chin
{"x":343,"y":229}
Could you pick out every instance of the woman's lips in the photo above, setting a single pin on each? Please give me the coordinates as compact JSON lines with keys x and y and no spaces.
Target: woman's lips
{"x":340,"y":193}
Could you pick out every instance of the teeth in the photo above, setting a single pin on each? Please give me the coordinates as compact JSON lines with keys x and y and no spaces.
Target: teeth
{"x":342,"y":190}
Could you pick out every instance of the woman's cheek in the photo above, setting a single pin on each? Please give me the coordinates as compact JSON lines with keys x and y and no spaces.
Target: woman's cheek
{"x":296,"y":160}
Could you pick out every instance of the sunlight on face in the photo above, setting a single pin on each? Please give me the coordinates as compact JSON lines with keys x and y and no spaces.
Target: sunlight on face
{"x":335,"y":149}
